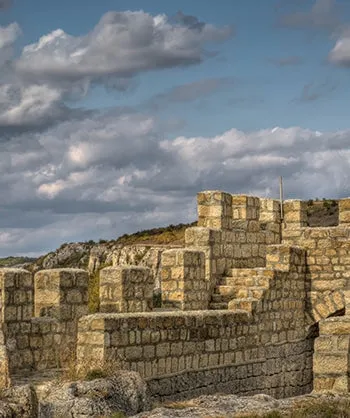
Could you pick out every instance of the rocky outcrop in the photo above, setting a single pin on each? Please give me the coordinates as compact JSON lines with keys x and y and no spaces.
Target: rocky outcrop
{"x":19,"y":401}
{"x":93,"y":257}
{"x":124,"y":392}
{"x":68,"y":255}
{"x":263,"y":406}
{"x":139,"y":255}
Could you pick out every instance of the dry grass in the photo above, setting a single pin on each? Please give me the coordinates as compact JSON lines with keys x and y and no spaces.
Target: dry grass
{"x":93,"y":370}
{"x":94,"y":289}
{"x":318,"y":408}
{"x":172,"y":234}
{"x":177,"y":404}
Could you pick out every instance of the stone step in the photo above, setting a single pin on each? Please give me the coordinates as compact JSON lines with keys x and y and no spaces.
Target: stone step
{"x":217,"y":298}
{"x":244,"y":304}
{"x":226,"y":290}
{"x":252,"y":272}
{"x":257,"y":281}
{"x":255,"y":292}
{"x":218,"y":306}
{"x":244,"y":272}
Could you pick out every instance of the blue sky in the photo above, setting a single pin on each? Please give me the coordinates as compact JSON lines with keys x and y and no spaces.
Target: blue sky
{"x":263,"y":94}
{"x":114,"y":114}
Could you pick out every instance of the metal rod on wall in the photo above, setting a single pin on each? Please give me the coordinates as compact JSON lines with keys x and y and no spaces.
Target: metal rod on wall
{"x":281,"y":197}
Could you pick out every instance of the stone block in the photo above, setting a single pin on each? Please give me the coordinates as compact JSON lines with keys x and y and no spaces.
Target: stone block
{"x":344,"y":211}
{"x":214,"y":209}
{"x":126,"y":289}
{"x":184,"y":283}
{"x":61,"y":293}
{"x":335,"y":326}
{"x":295,"y":213}
{"x":329,"y":363}
{"x":17,"y":295}
{"x":245,"y":207}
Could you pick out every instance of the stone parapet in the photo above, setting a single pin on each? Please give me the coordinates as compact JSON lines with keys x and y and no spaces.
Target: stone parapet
{"x":331,"y":362}
{"x":61,"y":293}
{"x":183,"y":282}
{"x":245,"y":208}
{"x":344,"y":212}
{"x":126,"y":289}
{"x":295,"y":214}
{"x":214,"y":209}
{"x":203,"y":351}
{"x":17,"y":295}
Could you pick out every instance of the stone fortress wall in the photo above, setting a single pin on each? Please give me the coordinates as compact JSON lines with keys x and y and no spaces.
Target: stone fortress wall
{"x":250,"y":304}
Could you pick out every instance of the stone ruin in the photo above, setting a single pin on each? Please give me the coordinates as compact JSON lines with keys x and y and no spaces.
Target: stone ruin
{"x":251,"y":304}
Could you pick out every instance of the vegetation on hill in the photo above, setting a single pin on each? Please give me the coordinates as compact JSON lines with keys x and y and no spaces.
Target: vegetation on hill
{"x":172,"y":234}
{"x":322,"y":212}
{"x":15,"y":261}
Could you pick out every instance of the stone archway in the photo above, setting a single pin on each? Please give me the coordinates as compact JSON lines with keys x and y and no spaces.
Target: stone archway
{"x":331,"y":361}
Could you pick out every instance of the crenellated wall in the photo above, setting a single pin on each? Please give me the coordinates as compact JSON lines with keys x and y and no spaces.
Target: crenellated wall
{"x":271,"y":282}
{"x":182,"y":354}
{"x":126,"y":289}
{"x":233,"y":232}
{"x":327,"y":257}
{"x":58,"y":298}
{"x":183,"y":280}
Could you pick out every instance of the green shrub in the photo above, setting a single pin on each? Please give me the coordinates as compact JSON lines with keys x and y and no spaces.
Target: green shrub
{"x":157,"y":300}
{"x":95,"y":374}
{"x":118,"y":415}
{"x":94,"y":290}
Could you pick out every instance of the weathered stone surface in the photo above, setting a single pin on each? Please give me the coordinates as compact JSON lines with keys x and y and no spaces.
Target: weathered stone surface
{"x":184,"y":284}
{"x":21,"y":400}
{"x":278,"y":279}
{"x":124,"y":392}
{"x":126,"y":289}
{"x":233,"y":405}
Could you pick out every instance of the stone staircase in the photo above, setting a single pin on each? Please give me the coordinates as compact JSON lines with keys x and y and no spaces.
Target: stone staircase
{"x":241,"y":289}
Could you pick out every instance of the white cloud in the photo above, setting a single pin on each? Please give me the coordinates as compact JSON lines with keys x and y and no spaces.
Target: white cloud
{"x":340,"y":54}
{"x":28,"y":104}
{"x":68,"y":174}
{"x":8,"y":36}
{"x":122,"y":44}
{"x":114,"y":170}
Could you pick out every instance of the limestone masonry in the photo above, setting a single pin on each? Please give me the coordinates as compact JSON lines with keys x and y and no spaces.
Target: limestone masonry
{"x":251,"y":304}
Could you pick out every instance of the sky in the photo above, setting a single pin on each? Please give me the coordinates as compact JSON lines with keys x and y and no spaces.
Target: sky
{"x":114,"y":114}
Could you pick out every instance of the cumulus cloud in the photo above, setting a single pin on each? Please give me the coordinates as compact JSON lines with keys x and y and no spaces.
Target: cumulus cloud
{"x":60,"y":67}
{"x":115,"y":170}
{"x":322,"y":15}
{"x":340,"y":54}
{"x":8,"y":36}
{"x":32,"y":107}
{"x":121,"y":45}
{"x":70,"y":175}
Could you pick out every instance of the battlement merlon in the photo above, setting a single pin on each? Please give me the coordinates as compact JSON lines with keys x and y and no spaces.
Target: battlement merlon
{"x":344,"y":211}
{"x":224,"y":211}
